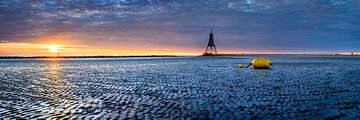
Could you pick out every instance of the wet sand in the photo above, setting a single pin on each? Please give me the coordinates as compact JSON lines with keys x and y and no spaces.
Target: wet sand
{"x":180,"y":87}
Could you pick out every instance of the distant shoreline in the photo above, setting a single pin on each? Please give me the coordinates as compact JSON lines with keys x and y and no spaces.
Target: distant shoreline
{"x":53,"y":57}
{"x":293,"y":55}
{"x":219,"y":55}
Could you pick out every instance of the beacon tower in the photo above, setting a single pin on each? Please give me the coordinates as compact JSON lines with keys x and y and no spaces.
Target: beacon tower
{"x":211,"y":48}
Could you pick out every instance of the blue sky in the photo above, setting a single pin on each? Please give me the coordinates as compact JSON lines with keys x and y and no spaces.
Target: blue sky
{"x":265,"y":26}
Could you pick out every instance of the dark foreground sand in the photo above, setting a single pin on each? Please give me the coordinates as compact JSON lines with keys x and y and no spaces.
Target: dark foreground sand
{"x":180,"y":87}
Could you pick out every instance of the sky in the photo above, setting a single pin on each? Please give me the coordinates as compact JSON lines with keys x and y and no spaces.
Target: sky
{"x":178,"y":27}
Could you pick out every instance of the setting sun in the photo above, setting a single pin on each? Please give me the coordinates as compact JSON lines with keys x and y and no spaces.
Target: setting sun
{"x":53,"y":48}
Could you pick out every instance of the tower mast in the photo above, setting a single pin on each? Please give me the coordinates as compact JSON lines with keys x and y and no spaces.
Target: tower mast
{"x":211,"y":48}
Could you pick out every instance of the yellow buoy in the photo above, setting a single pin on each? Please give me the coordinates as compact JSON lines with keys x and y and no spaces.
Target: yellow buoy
{"x":261,"y":63}
{"x":241,"y":65}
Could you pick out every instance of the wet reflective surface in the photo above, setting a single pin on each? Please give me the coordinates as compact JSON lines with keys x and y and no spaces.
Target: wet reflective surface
{"x":190,"y":88}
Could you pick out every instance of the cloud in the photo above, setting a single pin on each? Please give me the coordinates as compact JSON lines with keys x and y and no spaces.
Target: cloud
{"x":321,"y":25}
{"x":3,"y":41}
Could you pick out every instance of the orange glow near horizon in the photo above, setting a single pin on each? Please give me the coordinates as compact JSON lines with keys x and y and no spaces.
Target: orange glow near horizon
{"x":40,"y":49}
{"x":67,"y":45}
{"x":53,"y":48}
{"x":33,"y":49}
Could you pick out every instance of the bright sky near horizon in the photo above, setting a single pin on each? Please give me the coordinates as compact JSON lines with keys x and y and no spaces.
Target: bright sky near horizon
{"x":180,"y":27}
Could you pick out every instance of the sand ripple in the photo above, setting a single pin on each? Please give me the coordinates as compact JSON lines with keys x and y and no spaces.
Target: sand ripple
{"x":180,"y":88}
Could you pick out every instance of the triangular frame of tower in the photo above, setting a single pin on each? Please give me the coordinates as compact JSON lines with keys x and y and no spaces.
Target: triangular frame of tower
{"x":211,"y":48}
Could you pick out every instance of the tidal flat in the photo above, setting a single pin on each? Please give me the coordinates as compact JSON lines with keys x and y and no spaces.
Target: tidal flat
{"x":180,"y":88}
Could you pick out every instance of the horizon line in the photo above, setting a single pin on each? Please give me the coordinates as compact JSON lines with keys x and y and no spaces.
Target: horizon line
{"x":198,"y":55}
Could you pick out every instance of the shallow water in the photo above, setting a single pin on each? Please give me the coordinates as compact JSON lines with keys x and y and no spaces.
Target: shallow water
{"x":205,"y":88}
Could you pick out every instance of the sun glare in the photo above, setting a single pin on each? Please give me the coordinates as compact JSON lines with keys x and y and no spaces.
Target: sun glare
{"x":53,"y":48}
